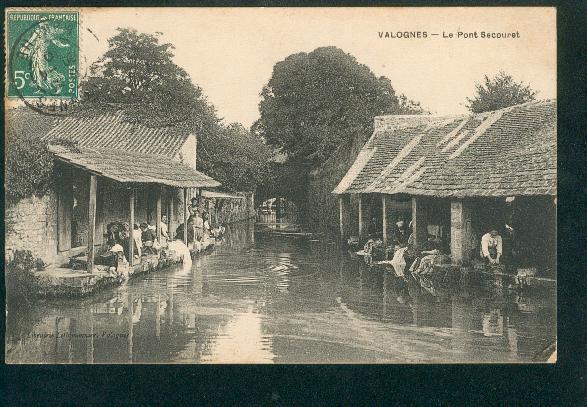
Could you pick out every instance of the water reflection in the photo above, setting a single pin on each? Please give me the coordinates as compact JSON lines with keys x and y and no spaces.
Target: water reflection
{"x":271,"y":298}
{"x":242,"y":340}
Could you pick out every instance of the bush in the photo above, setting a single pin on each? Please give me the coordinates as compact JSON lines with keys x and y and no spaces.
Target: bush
{"x":20,"y":276}
{"x":29,"y":168}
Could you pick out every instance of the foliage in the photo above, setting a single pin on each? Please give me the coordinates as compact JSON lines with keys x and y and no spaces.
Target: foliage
{"x":499,"y":92}
{"x":20,"y":276}
{"x":288,"y":180}
{"x":29,"y":164}
{"x":408,"y":106}
{"x":29,"y":168}
{"x":137,"y":76}
{"x":23,"y":260}
{"x":235,"y":157}
{"x":316,"y":101}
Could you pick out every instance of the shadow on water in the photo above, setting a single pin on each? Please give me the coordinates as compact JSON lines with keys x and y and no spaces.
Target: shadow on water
{"x":264,"y":297}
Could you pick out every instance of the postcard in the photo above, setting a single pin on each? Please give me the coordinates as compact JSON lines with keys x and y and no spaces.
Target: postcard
{"x":280,"y":185}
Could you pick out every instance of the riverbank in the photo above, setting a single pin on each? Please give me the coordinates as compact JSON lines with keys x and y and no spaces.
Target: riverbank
{"x":67,"y":282}
{"x":456,"y":273}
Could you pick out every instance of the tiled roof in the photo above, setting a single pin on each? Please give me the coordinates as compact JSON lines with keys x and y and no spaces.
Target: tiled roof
{"x":111,"y":131}
{"x":25,"y":121}
{"x":133,"y":167}
{"x":507,"y":152}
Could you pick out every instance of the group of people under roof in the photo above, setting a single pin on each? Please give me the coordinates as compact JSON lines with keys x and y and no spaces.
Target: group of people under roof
{"x":403,"y":254}
{"x":199,"y":227}
{"x":118,"y":236}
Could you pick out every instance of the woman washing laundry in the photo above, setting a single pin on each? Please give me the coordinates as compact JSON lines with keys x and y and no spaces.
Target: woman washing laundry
{"x":491,"y":247}
{"x":432,"y":253}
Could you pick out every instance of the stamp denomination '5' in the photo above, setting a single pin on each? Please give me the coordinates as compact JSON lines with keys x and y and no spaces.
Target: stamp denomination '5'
{"x":43,"y":54}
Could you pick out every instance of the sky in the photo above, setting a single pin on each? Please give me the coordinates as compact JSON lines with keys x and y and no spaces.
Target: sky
{"x":230,"y":52}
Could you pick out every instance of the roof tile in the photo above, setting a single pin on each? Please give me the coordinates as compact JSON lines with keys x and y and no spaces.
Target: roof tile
{"x":507,"y":152}
{"x":133,"y":167}
{"x":111,"y":131}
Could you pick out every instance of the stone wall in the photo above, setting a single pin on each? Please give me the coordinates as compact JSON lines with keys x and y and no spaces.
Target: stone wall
{"x":31,"y":224}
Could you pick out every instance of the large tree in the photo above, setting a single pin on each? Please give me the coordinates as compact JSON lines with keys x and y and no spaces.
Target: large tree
{"x":236,"y":156}
{"x":316,"y":101}
{"x":499,"y":92}
{"x":137,"y":76}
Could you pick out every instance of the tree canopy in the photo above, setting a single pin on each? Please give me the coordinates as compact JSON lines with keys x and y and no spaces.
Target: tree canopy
{"x":316,"y":101}
{"x":235,"y":156}
{"x":499,"y":92}
{"x":137,"y":75}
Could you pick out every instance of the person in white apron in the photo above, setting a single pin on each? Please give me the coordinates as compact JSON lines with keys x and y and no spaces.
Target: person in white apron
{"x":491,"y":247}
{"x":164,"y":233}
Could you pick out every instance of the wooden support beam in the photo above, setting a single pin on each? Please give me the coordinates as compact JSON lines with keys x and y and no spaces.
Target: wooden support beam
{"x":361,"y":218}
{"x":415,"y":222}
{"x":131,"y":243}
{"x":419,"y":222}
{"x":167,"y":214}
{"x":92,"y":222}
{"x":384,"y":217}
{"x":185,"y":216}
{"x":344,"y":208}
{"x":364,"y":215}
{"x":158,"y":213}
{"x":171,"y":218}
{"x":341,"y":216}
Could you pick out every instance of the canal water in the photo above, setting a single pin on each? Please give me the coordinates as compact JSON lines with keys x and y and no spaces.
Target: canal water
{"x":270,"y":295}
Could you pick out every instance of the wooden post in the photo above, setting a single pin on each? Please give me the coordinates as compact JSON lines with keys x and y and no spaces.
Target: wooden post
{"x":131,"y":243}
{"x":365,"y":212}
{"x":158,"y":214}
{"x":185,"y":216}
{"x":384,"y":217}
{"x":344,"y":206}
{"x":418,"y":222}
{"x":92,"y":222}
{"x":360,"y":217}
{"x":171,"y":220}
{"x":415,"y":222}
{"x":341,"y":216}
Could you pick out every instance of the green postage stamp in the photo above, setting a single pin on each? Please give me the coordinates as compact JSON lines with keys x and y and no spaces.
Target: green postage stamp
{"x":42,"y":54}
